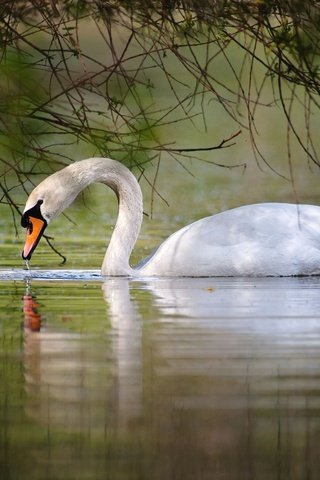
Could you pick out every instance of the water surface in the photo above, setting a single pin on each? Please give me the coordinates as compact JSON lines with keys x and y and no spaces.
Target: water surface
{"x":163,"y":378}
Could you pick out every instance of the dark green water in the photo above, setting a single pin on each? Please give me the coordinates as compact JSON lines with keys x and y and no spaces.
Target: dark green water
{"x":175,"y":379}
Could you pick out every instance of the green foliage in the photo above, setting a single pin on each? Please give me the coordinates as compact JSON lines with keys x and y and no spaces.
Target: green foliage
{"x":21,"y":92}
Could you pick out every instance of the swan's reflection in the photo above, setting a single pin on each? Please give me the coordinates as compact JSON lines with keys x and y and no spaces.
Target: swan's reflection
{"x":126,"y":345}
{"x":241,"y":298}
{"x":78,"y":382}
{"x":260,"y":336}
{"x":221,"y":369}
{"x":32,"y":317}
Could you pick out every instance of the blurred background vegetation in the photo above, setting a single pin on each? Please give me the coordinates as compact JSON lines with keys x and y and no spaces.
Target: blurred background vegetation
{"x":143,"y":81}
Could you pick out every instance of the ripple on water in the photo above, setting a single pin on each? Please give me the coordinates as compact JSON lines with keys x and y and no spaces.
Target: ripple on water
{"x":24,"y":274}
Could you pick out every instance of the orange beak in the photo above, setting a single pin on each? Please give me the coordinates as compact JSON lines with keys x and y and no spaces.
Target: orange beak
{"x":35,"y":229}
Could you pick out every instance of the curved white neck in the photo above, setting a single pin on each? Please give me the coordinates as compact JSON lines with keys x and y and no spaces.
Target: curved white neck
{"x":130,"y":215}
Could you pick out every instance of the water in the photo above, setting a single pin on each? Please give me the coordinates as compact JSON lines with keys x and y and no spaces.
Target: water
{"x":189,"y":379}
{"x":161,"y":378}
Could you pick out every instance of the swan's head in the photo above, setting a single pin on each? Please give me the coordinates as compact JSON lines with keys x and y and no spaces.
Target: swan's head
{"x":35,"y":223}
{"x":46,"y":202}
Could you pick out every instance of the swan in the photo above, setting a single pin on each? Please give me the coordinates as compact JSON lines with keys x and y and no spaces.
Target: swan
{"x":267,"y":239}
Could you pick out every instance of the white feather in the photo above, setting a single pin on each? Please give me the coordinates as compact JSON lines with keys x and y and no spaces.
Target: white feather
{"x":269,"y":239}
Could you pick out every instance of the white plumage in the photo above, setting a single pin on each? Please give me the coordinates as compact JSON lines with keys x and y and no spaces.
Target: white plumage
{"x":268,"y":239}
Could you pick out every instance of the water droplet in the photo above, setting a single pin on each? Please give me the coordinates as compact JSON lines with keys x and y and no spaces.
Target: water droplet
{"x":27,"y":285}
{"x":27,"y":264}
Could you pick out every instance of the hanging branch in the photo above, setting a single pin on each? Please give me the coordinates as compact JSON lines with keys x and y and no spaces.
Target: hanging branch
{"x":223,"y":144}
{"x":59,"y":96}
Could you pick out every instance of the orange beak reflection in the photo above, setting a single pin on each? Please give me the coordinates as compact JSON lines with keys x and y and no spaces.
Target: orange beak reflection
{"x":32,"y":319}
{"x":35,"y":229}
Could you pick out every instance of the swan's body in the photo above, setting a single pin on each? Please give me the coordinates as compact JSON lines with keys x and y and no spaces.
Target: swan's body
{"x":270,"y":239}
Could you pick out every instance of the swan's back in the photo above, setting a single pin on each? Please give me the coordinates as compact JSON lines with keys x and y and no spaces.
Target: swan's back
{"x":255,"y":240}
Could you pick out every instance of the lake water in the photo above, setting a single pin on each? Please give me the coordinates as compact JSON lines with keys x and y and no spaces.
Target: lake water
{"x":164,"y":379}
{"x":175,"y":379}
{"x":158,"y":379}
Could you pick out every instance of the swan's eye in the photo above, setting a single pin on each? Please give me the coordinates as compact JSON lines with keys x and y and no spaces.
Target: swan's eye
{"x":33,"y":212}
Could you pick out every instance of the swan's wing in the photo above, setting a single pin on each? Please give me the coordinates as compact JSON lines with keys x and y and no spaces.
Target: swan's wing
{"x":263,"y":239}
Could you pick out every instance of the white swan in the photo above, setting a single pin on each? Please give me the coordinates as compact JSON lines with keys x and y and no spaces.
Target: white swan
{"x":270,"y":239}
